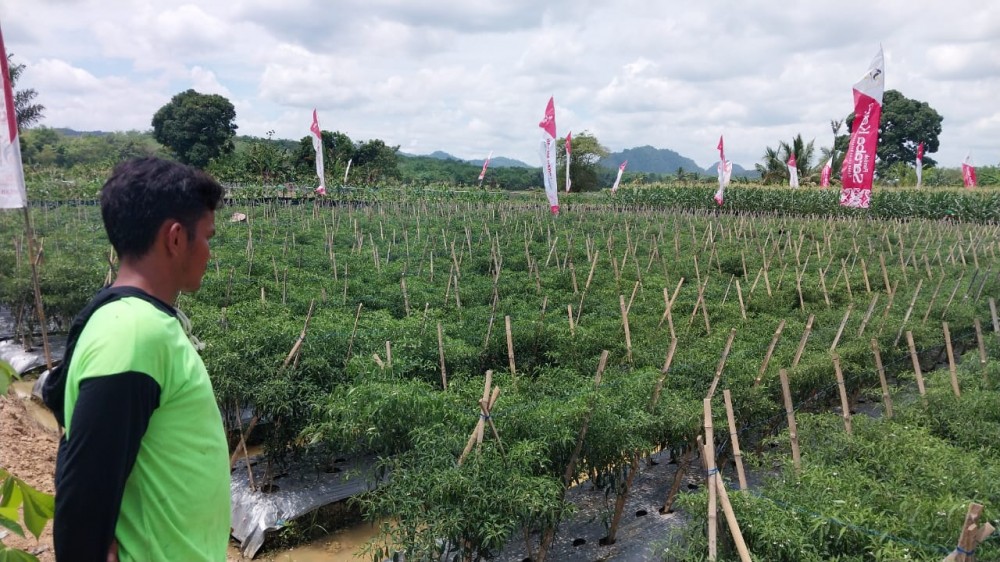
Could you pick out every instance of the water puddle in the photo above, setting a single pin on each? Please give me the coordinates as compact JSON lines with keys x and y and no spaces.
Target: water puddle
{"x":343,"y":545}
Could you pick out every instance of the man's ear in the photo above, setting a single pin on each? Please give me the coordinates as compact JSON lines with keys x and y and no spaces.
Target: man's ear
{"x":174,"y":237}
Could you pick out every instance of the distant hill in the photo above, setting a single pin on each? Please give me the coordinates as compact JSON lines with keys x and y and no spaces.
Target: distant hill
{"x":738,"y":171}
{"x":74,"y":133}
{"x":651,"y":161}
{"x":495,"y":162}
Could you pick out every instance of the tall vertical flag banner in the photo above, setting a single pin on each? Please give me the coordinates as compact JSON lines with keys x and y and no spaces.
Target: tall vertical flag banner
{"x":12,"y":192}
{"x":920,"y":163}
{"x":725,"y":172}
{"x":486,"y":164}
{"x":618,"y":180}
{"x":859,"y":162}
{"x":793,"y":171}
{"x":968,"y":172}
{"x":317,"y":138}
{"x":548,"y":154}
{"x":569,"y":150}
{"x":824,"y":177}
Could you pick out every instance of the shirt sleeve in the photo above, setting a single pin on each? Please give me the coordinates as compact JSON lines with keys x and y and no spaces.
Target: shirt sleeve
{"x":110,"y":417}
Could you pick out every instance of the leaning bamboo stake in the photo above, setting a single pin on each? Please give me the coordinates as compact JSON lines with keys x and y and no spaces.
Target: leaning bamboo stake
{"x":572,"y":327}
{"x":980,"y":345}
{"x":916,"y":364}
{"x":909,"y":311}
{"x":682,"y":466}
{"x":868,"y":315}
{"x":770,"y":352}
{"x":802,"y":342}
{"x":510,"y":346}
{"x":793,"y":433}
{"x":722,"y":364}
{"x":628,"y":333}
{"x":864,"y":271}
{"x":886,"y":397}
{"x":993,"y":315}
{"x":951,"y":360}
{"x":711,"y":471}
{"x":731,"y":521}
{"x":840,"y":330}
{"x":444,"y":374}
{"x":930,"y":304}
{"x":663,"y":374}
{"x":844,"y":402}
{"x":739,"y":293}
{"x":971,"y":536}
{"x":735,"y":438}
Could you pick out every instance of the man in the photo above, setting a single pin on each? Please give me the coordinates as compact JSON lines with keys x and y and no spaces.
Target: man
{"x":143,"y":467}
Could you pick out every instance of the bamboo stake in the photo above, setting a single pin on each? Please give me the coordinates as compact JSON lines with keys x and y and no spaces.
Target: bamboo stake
{"x":802,"y":342}
{"x":722,"y":363}
{"x":993,"y":315}
{"x":663,"y":375}
{"x":868,"y":315}
{"x":793,"y":433}
{"x":864,"y":270}
{"x":930,"y":304}
{"x":770,"y":352}
{"x":731,"y":521}
{"x":713,"y":525}
{"x":444,"y":374}
{"x":916,"y":364}
{"x":951,"y":360}
{"x":909,"y":311}
{"x":572,"y":327}
{"x":354,"y":331}
{"x":886,"y":397}
{"x":840,"y":330}
{"x":981,"y":346}
{"x":735,"y":438}
{"x":739,"y":293}
{"x":477,"y":432}
{"x":844,"y":403}
{"x":510,"y":347}
{"x":628,"y":333}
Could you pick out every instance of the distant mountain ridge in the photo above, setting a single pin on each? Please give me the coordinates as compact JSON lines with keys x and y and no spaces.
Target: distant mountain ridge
{"x":652,"y":160}
{"x":495,"y":162}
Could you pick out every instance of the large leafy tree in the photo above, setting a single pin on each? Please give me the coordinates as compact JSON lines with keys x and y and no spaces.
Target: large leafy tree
{"x":27,"y":113}
{"x":774,"y":168}
{"x":196,"y":127}
{"x":338,"y":149}
{"x":585,"y":152}
{"x":375,"y":162}
{"x":904,"y":125}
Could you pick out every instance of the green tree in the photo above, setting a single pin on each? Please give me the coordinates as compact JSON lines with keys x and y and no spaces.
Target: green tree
{"x":585,"y":152}
{"x":338,"y":149}
{"x":196,"y":127}
{"x":27,"y":113}
{"x":774,"y":167}
{"x":904,"y":125}
{"x":375,"y":162}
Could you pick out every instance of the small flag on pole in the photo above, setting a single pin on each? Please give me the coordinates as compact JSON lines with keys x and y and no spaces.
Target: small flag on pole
{"x":12,"y":192}
{"x":548,"y":154}
{"x":486,"y":164}
{"x":317,"y":138}
{"x":569,"y":150}
{"x":618,"y":180}
{"x":793,"y":171}
{"x":920,"y":163}
{"x":725,"y":172}
{"x":824,"y":177}
{"x":968,"y":172}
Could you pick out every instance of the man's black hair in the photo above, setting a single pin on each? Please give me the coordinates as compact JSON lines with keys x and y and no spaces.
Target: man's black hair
{"x":142,"y":193}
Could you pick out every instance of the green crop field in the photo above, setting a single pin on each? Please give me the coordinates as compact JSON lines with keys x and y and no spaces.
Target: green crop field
{"x":601,"y":332}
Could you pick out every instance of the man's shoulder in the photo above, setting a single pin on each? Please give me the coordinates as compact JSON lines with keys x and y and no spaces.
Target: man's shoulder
{"x":131,"y":318}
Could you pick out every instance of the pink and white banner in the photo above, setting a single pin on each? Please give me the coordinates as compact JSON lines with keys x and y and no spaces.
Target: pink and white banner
{"x":793,"y":171}
{"x":618,"y":180}
{"x":317,"y":138}
{"x":12,"y":192}
{"x":548,"y":154}
{"x":968,"y":172}
{"x":824,"y":177}
{"x":858,"y":171}
{"x":725,"y":169}
{"x":569,"y":150}
{"x":920,"y":163}
{"x":486,"y":164}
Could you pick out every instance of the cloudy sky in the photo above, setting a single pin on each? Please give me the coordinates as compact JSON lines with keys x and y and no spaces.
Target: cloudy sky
{"x":470,"y":76}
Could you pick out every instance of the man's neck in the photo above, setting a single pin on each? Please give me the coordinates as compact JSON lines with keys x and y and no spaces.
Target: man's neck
{"x":147,"y":277}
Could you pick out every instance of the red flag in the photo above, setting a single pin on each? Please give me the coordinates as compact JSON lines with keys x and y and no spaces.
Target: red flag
{"x":722,"y":151}
{"x":486,"y":164}
{"x":12,"y":192}
{"x":920,"y":163}
{"x":920,"y":151}
{"x":824,"y":178}
{"x":548,"y":153}
{"x":859,"y":162}
{"x":968,"y":172}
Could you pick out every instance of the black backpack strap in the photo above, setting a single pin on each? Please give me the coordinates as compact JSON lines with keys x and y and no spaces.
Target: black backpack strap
{"x":54,"y":388}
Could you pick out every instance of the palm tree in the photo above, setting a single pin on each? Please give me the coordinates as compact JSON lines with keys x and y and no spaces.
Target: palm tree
{"x":27,"y":113}
{"x":775,"y":168}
